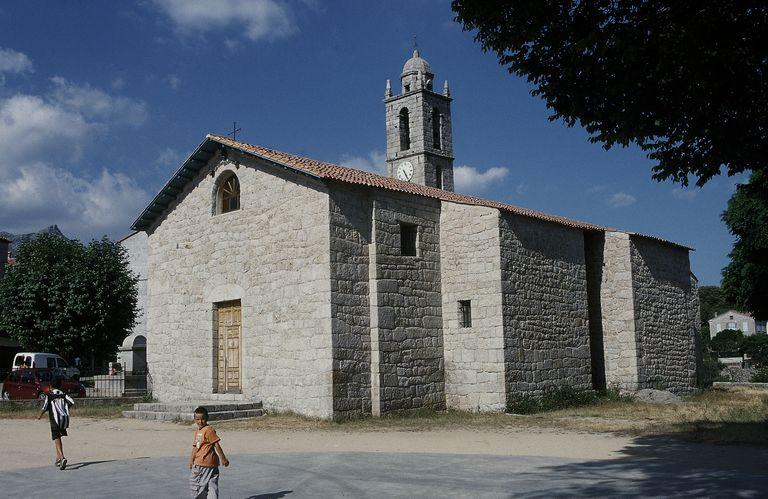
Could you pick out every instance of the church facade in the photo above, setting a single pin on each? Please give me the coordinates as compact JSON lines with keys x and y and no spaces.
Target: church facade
{"x":334,"y":292}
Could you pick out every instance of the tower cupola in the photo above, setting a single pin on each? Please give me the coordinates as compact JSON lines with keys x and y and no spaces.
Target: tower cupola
{"x":417,"y":74}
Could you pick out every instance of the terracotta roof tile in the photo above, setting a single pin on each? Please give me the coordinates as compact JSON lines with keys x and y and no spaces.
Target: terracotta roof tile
{"x":330,"y":171}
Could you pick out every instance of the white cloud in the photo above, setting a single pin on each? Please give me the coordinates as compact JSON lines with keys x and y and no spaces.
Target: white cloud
{"x":375,"y":162}
{"x":14,"y":62}
{"x":42,"y":195}
{"x":470,"y":179}
{"x":621,"y":199}
{"x":93,"y":103}
{"x":597,"y":188}
{"x":262,"y":19}
{"x":686,"y":194}
{"x":31,"y":128}
{"x":168,"y":157}
{"x":173,"y":82}
{"x":118,"y":83}
{"x":39,"y":134}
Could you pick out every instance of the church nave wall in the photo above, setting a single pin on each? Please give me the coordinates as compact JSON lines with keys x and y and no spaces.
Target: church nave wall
{"x":546,"y":335}
{"x":350,"y":236}
{"x":470,"y":267}
{"x":408,"y":304}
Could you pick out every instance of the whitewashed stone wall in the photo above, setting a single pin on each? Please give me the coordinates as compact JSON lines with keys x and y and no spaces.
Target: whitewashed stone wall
{"x":546,"y":335}
{"x":273,"y":255}
{"x":666,"y":334}
{"x":136,"y":248}
{"x":350,"y":237}
{"x":409,"y":316}
{"x":618,"y":313}
{"x":470,"y":265}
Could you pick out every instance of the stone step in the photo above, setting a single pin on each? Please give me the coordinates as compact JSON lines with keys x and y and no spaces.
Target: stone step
{"x":188,"y":416}
{"x":182,"y":407}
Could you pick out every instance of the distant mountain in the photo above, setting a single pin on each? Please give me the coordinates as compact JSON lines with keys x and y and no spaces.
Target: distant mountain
{"x":17,"y":239}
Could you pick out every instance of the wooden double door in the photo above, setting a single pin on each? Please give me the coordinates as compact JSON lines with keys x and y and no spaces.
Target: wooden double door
{"x":228,"y":347}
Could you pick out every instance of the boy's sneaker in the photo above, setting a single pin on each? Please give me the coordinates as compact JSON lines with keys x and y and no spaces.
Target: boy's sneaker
{"x":57,"y":463}
{"x":63,"y":463}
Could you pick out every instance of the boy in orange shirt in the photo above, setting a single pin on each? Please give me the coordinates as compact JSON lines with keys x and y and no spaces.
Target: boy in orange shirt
{"x":204,"y":461}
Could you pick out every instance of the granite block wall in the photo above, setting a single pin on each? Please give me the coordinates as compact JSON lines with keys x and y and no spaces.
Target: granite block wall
{"x":470,"y":267}
{"x":273,"y":255}
{"x":136,"y":246}
{"x":546,"y":333}
{"x":617,"y":309}
{"x":409,"y":306}
{"x":594,"y":248}
{"x":350,"y":237}
{"x":664,"y":322}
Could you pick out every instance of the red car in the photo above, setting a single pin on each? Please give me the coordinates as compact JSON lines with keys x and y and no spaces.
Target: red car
{"x":35,"y":383}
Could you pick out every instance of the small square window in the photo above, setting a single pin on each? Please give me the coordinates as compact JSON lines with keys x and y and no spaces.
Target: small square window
{"x":465,"y":313}
{"x":408,"y":235}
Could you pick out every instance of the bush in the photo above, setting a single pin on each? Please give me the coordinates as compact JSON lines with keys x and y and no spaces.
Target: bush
{"x":756,"y":347}
{"x":552,"y":399}
{"x":760,"y":376}
{"x":710,"y":371}
{"x":727,"y":343}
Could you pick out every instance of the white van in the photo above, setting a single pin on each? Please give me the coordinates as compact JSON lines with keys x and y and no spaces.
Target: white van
{"x":41,"y":360}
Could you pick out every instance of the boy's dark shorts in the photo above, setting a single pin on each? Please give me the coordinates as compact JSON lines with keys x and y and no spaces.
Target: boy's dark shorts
{"x":57,"y":432}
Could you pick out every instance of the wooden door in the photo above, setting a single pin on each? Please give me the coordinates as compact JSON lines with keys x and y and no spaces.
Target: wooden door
{"x":228,"y":347}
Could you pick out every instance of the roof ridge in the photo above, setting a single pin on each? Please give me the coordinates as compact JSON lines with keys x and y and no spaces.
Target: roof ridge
{"x":331,"y":171}
{"x":412,"y":188}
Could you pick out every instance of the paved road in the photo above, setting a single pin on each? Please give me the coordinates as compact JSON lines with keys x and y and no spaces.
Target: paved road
{"x":364,"y":475}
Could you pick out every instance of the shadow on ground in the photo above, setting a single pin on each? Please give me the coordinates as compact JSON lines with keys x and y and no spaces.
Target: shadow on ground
{"x":274,"y":495}
{"x":668,"y":465}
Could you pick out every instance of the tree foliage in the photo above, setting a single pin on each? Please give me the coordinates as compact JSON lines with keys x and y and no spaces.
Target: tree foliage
{"x":61,"y":296}
{"x":684,"y":80}
{"x":756,"y":347}
{"x":727,"y":343}
{"x":745,"y":279}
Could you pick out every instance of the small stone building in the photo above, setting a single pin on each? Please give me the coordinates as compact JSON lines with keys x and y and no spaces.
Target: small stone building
{"x":335,"y":292}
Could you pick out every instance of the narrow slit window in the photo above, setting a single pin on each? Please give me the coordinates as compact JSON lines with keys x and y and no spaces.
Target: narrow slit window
{"x":405,"y":130}
{"x":439,"y":177}
{"x":465,"y":313}
{"x":408,"y":236}
{"x":437,"y":125}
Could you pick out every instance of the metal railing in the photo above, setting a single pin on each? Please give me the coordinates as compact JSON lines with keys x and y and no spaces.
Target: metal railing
{"x":115,"y":382}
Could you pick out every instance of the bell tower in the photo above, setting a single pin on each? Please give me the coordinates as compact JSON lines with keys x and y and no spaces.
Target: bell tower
{"x":419,"y":145}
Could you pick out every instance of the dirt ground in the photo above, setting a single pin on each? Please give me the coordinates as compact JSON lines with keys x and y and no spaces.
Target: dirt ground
{"x":27,"y":443}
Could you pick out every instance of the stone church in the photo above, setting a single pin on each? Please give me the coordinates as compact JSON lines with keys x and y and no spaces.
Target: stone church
{"x":335,"y":292}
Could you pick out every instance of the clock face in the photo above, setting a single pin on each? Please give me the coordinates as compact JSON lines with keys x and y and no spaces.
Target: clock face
{"x":405,"y":171}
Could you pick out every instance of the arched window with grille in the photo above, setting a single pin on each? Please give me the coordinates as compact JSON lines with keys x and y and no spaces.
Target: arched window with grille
{"x":405,"y":130}
{"x":437,"y":125}
{"x":228,"y":194}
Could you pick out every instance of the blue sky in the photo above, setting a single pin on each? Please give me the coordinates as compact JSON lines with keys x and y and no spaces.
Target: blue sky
{"x":100,"y":101}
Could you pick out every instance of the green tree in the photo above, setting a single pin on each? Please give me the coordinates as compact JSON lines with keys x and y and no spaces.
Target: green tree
{"x":756,"y":347}
{"x":727,"y":343}
{"x":61,"y":296}
{"x":745,"y":279}
{"x":684,"y":80}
